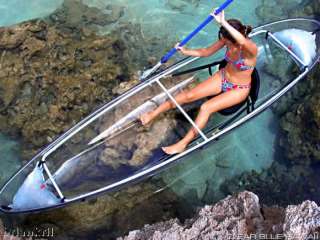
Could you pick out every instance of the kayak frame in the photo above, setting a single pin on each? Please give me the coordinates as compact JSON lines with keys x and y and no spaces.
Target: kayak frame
{"x":171,"y":159}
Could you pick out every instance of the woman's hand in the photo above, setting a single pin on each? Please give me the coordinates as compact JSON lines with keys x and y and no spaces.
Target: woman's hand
{"x":219,"y":17}
{"x":180,"y":49}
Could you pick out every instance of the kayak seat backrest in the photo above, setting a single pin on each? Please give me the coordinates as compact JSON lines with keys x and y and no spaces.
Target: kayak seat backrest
{"x":253,"y":95}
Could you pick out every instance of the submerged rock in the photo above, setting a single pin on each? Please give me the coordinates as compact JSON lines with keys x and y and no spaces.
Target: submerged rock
{"x":73,"y":14}
{"x":280,"y":184}
{"x":56,"y":71}
{"x":135,"y":147}
{"x":56,"y":75}
{"x":239,"y":216}
{"x":302,"y":131}
{"x":308,"y":8}
{"x":178,"y":5}
{"x":298,"y":109}
{"x":109,"y":215}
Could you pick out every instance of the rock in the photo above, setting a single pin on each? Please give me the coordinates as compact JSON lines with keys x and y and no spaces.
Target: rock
{"x":301,"y":126}
{"x":301,"y":221}
{"x":237,"y":216}
{"x":32,"y":46}
{"x":281,"y":184}
{"x":56,"y":75}
{"x":307,"y":8}
{"x":110,"y":215}
{"x":73,"y":14}
{"x":178,"y":5}
{"x":136,"y":147}
{"x":268,"y":13}
{"x":298,"y":109}
{"x":11,"y":39}
{"x":234,"y":216}
{"x":115,"y":12}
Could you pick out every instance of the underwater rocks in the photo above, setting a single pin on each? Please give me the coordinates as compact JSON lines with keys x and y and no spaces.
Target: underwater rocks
{"x":51,"y":79}
{"x":56,"y":71}
{"x":135,"y":147}
{"x":178,"y":5}
{"x":269,"y":11}
{"x":181,"y":5}
{"x":73,"y":14}
{"x":299,"y":113}
{"x":310,"y":8}
{"x":299,"y":109}
{"x":137,"y":144}
{"x":301,"y":126}
{"x":238,"y":216}
{"x":110,"y":215}
{"x":279,"y":184}
{"x":108,"y":20}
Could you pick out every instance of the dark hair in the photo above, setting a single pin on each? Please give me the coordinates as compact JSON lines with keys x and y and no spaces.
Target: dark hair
{"x":243,"y":29}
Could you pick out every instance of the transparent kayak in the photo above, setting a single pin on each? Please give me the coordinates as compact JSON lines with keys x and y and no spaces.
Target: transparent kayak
{"x":110,"y":149}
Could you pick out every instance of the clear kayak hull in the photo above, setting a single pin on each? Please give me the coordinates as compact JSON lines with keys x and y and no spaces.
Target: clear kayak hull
{"x":110,"y":149}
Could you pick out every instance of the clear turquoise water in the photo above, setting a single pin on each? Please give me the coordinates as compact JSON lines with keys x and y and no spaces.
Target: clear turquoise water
{"x":10,"y":161}
{"x":251,"y":147}
{"x":157,"y":18}
{"x":15,"y":11}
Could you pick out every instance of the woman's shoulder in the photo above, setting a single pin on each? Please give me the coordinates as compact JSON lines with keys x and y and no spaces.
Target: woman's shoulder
{"x":251,"y":47}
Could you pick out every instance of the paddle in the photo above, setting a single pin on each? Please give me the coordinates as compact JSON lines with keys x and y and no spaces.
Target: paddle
{"x":166,"y":57}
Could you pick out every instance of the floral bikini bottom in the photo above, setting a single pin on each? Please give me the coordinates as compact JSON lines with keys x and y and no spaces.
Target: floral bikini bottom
{"x":227,"y":86}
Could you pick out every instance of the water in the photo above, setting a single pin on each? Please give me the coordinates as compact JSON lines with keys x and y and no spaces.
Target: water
{"x":15,"y":11}
{"x":10,"y":161}
{"x":198,"y":179}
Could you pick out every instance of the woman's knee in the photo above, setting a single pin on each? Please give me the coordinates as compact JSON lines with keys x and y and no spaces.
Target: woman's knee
{"x":189,"y":96}
{"x":207,"y":108}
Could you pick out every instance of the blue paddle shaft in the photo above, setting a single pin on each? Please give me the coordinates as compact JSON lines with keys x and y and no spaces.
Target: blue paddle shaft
{"x":166,"y":57}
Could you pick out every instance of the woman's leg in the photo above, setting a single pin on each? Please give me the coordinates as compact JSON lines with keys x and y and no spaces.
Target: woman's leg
{"x":211,"y":86}
{"x":213,"y":105}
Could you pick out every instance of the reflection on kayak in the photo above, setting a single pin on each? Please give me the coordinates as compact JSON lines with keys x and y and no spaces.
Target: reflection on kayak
{"x":110,"y":149}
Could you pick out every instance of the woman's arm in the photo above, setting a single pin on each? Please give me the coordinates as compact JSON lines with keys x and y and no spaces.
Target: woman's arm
{"x":202,"y":52}
{"x":244,"y":42}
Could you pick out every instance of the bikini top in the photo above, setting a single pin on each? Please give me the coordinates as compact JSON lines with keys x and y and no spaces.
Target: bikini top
{"x":238,"y":64}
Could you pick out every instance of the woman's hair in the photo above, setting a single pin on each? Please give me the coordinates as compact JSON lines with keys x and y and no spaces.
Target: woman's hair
{"x":243,"y":29}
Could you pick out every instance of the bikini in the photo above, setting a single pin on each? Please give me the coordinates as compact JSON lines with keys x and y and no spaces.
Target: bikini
{"x":238,"y":64}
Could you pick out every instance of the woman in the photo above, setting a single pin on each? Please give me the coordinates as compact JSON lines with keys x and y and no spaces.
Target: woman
{"x":229,"y":86}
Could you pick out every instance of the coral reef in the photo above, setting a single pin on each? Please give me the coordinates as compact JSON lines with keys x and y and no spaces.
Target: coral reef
{"x":50,"y":80}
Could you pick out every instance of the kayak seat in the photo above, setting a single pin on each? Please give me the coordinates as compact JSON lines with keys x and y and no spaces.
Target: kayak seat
{"x":253,"y":95}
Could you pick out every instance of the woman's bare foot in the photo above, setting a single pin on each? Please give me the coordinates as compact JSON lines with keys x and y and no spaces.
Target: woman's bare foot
{"x":146,"y":118}
{"x":175,"y":148}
